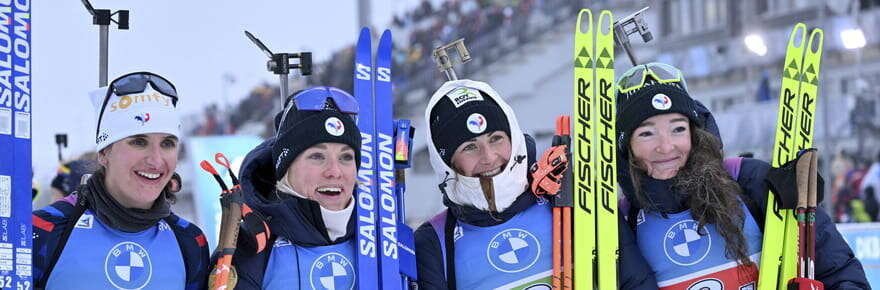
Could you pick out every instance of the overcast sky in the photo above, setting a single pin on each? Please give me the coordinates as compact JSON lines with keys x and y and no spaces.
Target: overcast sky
{"x":192,"y":43}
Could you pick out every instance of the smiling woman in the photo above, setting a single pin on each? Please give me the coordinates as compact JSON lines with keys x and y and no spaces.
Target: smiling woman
{"x":114,"y":232}
{"x":303,"y":180}
{"x":481,"y":158}
{"x":139,"y":167}
{"x":696,"y":222}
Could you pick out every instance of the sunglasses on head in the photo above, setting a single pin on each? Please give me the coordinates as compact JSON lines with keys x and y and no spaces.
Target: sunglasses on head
{"x":315,"y":99}
{"x":134,"y":83}
{"x":636,"y":77}
{"x":319,"y":99}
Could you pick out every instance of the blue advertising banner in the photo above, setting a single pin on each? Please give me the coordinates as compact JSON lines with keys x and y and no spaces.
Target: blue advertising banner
{"x":206,"y":193}
{"x":864,"y":239}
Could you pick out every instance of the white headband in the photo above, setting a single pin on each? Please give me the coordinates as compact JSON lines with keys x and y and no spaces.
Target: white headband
{"x":147,"y":112}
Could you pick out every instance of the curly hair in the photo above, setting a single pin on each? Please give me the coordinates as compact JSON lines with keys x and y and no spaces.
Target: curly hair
{"x":712,"y":195}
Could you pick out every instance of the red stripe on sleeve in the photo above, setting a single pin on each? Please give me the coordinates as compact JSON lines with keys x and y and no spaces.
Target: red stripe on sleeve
{"x":201,"y":240}
{"x":41,"y":223}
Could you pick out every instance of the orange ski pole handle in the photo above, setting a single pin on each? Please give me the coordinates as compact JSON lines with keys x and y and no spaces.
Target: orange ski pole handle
{"x":231,"y":204}
{"x":564,"y":200}
{"x":222,"y":160}
{"x":231,"y":213}
{"x":551,"y":176}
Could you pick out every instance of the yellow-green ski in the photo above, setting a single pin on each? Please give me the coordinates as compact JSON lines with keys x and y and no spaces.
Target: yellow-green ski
{"x":806,"y":112}
{"x":784,"y":149}
{"x":606,"y":154}
{"x":584,"y":227}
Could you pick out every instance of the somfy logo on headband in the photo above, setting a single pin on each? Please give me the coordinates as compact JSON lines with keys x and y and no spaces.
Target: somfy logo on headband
{"x":126,"y":101}
{"x":334,"y":126}
{"x":661,"y":102}
{"x":476,"y":123}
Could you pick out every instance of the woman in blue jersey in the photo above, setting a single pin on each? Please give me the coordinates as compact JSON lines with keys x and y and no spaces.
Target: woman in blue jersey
{"x":696,"y":224}
{"x":302,"y":181}
{"x":117,"y":230}
{"x":495,"y":233}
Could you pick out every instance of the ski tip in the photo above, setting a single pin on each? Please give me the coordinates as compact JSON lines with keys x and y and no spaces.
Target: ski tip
{"x":581,"y":19}
{"x":798,"y":35}
{"x":364,"y":39}
{"x":385,"y":40}
{"x":817,"y":40}
{"x":606,"y":21}
{"x":365,"y":35}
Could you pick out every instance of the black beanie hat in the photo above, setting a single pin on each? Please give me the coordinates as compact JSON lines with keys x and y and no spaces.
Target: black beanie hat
{"x":653,"y":99}
{"x":70,"y":175}
{"x":302,"y":129}
{"x":463,"y":114}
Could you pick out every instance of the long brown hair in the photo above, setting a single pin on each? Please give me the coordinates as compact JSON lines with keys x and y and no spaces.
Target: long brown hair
{"x":711,"y":193}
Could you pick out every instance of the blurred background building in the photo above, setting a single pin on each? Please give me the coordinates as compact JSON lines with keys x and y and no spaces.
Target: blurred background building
{"x":731,"y":53}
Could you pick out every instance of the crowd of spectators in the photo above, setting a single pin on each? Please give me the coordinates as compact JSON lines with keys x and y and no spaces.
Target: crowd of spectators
{"x":492,"y":29}
{"x":855,"y":186}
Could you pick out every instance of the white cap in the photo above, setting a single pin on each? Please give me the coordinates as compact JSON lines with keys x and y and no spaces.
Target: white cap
{"x":142,"y":113}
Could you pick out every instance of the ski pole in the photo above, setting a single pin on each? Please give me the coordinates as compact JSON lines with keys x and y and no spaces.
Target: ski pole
{"x":103,"y":18}
{"x":811,"y":215}
{"x":403,"y":133}
{"x":222,"y":160}
{"x":232,"y":208}
{"x":444,"y":63}
{"x":225,"y":249}
{"x":802,"y":177}
{"x":806,"y":178}
{"x":233,"y":205}
{"x":621,"y":34}
{"x":551,"y":176}
{"x":565,"y":200}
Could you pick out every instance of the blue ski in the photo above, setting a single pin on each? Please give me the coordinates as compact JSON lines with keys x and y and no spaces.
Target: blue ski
{"x":7,"y":159}
{"x":367,"y":263}
{"x":382,"y":97}
{"x":20,"y":235}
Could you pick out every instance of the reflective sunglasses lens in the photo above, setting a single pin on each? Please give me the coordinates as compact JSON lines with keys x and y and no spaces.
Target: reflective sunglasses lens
{"x":136,"y":83}
{"x":316,"y":98}
{"x":633,"y":80}
{"x":346,"y":103}
{"x":163,"y":86}
{"x":129,"y":84}
{"x":664,"y":73}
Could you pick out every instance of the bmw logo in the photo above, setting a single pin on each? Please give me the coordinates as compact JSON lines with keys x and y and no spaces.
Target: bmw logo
{"x":128,"y":266}
{"x":513,"y":250}
{"x":332,"y":271}
{"x":684,"y":245}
